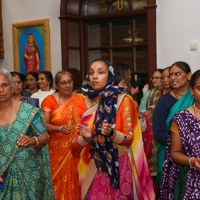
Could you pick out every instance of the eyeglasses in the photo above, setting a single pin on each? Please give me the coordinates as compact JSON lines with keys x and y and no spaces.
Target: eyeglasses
{"x":4,"y":86}
{"x":155,"y":78}
{"x":63,"y":83}
{"x":165,"y":77}
{"x":17,"y":82}
{"x":176,"y":74}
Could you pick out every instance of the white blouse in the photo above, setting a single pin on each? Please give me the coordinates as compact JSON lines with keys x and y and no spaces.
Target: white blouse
{"x":41,"y":95}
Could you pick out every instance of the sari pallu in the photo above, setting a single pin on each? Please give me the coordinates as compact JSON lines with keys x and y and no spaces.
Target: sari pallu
{"x":62,"y":160}
{"x":189,"y":131}
{"x":133,"y":167}
{"x":147,"y":137}
{"x":26,"y":172}
{"x":184,"y":102}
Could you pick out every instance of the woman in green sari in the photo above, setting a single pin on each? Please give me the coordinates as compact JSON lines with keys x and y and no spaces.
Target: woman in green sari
{"x":24,"y":158}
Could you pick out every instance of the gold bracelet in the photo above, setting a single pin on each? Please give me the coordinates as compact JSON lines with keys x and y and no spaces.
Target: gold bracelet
{"x":37,"y":142}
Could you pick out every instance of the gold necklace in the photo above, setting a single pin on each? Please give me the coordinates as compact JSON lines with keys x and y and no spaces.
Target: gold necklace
{"x":59,"y":99}
{"x":175,"y":93}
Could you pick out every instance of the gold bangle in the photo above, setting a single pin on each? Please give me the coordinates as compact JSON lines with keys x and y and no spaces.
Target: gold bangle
{"x":37,"y":142}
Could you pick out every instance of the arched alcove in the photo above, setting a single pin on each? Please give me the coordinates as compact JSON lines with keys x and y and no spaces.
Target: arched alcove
{"x":121,"y":31}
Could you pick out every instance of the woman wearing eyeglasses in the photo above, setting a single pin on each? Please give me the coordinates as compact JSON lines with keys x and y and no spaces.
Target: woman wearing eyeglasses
{"x":24,"y":157}
{"x":57,"y":109}
{"x":179,"y":98}
{"x":157,"y":85}
{"x":45,"y":83}
{"x":17,"y":90}
{"x":147,"y":105}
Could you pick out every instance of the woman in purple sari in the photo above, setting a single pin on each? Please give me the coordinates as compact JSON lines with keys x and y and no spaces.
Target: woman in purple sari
{"x":181,"y":170}
{"x":31,"y":55}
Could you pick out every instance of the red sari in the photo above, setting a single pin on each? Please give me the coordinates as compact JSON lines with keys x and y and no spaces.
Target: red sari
{"x":62,"y":160}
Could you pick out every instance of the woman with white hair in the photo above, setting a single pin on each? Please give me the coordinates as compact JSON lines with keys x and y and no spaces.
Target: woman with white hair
{"x":24,"y":158}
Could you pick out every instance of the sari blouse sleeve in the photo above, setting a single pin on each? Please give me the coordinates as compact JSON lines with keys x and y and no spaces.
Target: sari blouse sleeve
{"x":125,"y":122}
{"x":174,"y":127}
{"x":47,"y":105}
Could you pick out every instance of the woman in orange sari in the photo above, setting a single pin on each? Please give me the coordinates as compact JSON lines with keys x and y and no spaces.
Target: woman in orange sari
{"x":57,"y":109}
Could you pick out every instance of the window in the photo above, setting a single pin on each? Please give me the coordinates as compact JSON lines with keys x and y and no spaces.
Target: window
{"x":121,"y":31}
{"x":123,"y":41}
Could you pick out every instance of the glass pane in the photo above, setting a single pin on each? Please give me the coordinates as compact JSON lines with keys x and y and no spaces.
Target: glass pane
{"x":122,"y":55}
{"x":74,"y":61}
{"x":95,"y":54}
{"x":121,"y":33}
{"x":139,"y":4}
{"x":98,"y":35}
{"x":140,"y":31}
{"x":120,"y":6}
{"x":141,"y":59}
{"x":94,"y":7}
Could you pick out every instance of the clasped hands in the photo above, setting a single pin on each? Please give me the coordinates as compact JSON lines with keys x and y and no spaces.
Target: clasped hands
{"x":25,"y":141}
{"x":86,"y":131}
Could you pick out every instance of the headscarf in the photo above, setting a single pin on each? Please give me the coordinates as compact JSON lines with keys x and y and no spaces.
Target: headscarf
{"x":102,"y":149}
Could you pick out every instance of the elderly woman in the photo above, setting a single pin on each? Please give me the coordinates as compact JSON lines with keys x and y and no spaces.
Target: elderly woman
{"x":24,"y":158}
{"x":45,"y":83}
{"x":57,"y":109}
{"x":107,"y":135}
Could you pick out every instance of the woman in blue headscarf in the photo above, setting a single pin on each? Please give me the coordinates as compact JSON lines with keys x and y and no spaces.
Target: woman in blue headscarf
{"x":107,"y":138}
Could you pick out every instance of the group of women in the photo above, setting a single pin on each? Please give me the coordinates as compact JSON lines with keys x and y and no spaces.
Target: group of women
{"x":176,"y":135}
{"x":95,"y":146}
{"x":175,"y":123}
{"x":34,"y":88}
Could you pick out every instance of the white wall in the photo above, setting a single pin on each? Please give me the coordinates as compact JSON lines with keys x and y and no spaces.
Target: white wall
{"x":25,"y":10}
{"x":178,"y":24}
